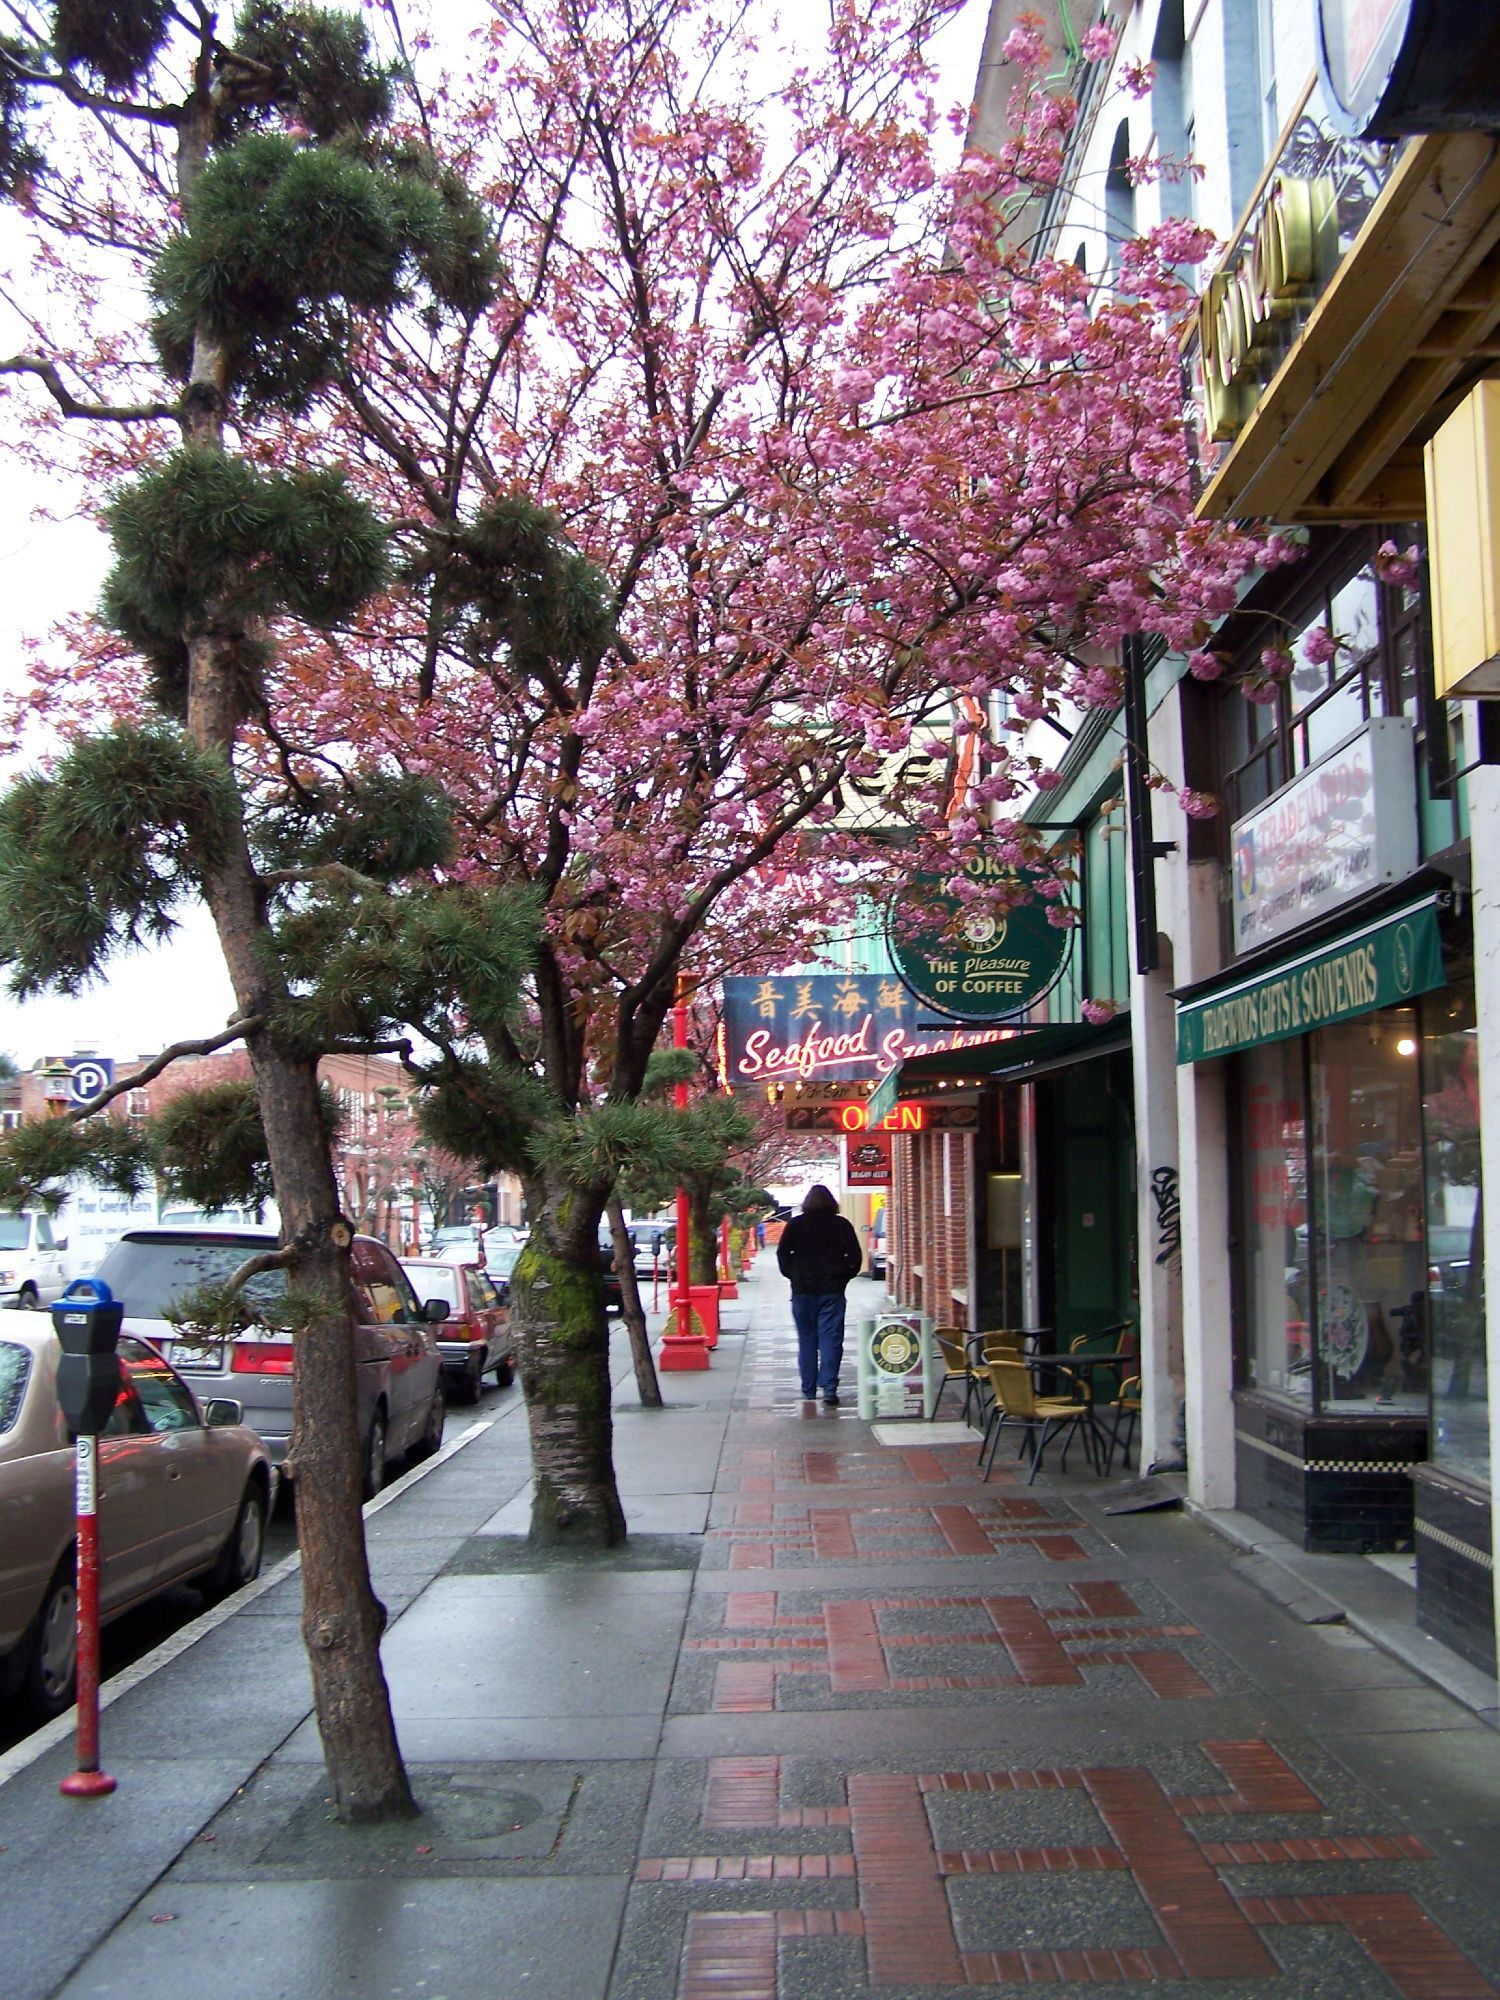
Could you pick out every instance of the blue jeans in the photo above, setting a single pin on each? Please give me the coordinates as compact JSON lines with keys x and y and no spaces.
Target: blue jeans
{"x":819,"y":1319}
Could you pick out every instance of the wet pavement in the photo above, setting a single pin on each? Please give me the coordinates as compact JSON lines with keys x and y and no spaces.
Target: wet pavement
{"x":841,"y":1718}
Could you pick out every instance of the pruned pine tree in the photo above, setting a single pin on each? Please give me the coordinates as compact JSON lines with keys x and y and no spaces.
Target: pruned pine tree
{"x":254,"y":179}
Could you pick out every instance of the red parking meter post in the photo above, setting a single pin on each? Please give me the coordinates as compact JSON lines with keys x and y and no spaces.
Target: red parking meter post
{"x":683,"y":1345}
{"x":88,"y":1781}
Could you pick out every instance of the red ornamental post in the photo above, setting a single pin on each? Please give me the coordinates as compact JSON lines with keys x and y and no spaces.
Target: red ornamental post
{"x":88,"y":1781}
{"x":681,"y":1346}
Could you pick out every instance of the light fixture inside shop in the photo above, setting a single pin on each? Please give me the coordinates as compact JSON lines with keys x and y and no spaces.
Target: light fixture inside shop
{"x":1406,"y":1046}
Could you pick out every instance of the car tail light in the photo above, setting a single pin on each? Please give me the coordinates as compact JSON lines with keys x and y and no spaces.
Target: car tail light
{"x":261,"y":1357}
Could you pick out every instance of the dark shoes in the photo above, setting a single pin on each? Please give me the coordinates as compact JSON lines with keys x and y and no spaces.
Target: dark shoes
{"x":830,"y":1401}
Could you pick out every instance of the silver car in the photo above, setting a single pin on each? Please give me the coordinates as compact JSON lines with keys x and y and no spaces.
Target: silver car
{"x":184,"y":1492}
{"x":398,"y":1376}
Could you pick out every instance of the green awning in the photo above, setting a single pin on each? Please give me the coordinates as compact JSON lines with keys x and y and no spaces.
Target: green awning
{"x":1382,"y":964}
{"x":1057,"y":1041}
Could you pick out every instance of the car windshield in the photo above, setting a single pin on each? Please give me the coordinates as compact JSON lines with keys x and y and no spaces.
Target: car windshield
{"x":14,"y":1231}
{"x":434,"y":1281}
{"x":502,"y":1259}
{"x":15,"y":1367}
{"x":147,"y":1273}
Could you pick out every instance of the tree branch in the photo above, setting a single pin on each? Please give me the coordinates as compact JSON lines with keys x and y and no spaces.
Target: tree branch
{"x":68,"y":403}
{"x":238,"y":1028}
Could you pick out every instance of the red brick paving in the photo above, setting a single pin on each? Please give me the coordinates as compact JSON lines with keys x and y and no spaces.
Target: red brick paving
{"x":879,"y":1844}
{"x":909,"y":1939}
{"x":1199,"y":1918}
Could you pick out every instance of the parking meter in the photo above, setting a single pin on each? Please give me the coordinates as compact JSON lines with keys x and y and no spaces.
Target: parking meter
{"x":87,"y":1323}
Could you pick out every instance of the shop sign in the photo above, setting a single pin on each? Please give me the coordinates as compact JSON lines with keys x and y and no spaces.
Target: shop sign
{"x":1323,"y":186}
{"x":1382,"y":965}
{"x":867,"y":1161}
{"x":1341,"y":829}
{"x":1399,"y":66}
{"x":977,"y":965}
{"x":796,"y":1028}
{"x":850,"y":1118}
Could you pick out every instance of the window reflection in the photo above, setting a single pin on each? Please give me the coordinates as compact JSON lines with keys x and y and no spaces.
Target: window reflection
{"x":1455,"y":1218}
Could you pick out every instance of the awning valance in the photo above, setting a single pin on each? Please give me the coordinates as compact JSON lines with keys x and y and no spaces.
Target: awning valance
{"x":1027,"y":1052}
{"x":1386,"y":961}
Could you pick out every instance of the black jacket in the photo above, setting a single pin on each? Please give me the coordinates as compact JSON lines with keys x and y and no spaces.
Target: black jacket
{"x":819,"y":1252}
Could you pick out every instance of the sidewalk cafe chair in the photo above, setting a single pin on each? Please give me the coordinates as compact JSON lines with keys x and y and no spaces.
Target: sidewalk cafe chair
{"x":999,"y":1343}
{"x":1119,"y":1340}
{"x":1125,"y":1412}
{"x":1042,"y":1418}
{"x":952,"y":1345}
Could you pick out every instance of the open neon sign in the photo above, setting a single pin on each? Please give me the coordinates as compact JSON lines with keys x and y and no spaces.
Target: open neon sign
{"x":901,"y":1118}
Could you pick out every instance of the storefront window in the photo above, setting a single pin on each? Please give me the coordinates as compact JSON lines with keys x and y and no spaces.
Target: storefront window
{"x":1455,"y":1257}
{"x":1275,"y":1223}
{"x":1369,"y":1269}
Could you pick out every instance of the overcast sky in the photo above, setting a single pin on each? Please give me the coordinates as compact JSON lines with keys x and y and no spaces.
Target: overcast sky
{"x":47,"y":568}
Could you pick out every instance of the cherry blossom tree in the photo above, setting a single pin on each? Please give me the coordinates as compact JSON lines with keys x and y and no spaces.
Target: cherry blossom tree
{"x":756,"y":460}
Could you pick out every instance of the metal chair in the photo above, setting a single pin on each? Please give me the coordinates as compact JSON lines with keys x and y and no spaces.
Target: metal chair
{"x":1041,"y":1418}
{"x":952,"y":1344}
{"x":1126,"y":1410}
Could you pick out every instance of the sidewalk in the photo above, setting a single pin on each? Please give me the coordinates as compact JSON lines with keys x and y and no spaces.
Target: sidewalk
{"x":839,"y":1719}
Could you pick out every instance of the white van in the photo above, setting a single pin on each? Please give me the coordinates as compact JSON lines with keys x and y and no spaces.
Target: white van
{"x":32,"y":1271}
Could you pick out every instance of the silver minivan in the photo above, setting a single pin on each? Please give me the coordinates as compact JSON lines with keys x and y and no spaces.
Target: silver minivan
{"x":31,"y":1259}
{"x":398,"y":1372}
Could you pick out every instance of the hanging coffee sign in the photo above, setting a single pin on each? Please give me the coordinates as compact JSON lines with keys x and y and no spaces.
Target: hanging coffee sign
{"x":976,"y":964}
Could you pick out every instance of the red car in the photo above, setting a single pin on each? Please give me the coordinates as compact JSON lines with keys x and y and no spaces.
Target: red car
{"x":474,"y":1339}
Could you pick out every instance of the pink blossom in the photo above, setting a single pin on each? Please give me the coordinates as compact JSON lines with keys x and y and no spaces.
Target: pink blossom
{"x":1138,"y":78}
{"x":1262,"y":693}
{"x":1099,"y":43}
{"x":1319,"y":646}
{"x":1097,"y":1012}
{"x":1197,"y":805}
{"x":1025,"y":43}
{"x":1205,"y":666}
{"x":1048,"y":781}
{"x":1276,"y":661}
{"x":1398,"y":566}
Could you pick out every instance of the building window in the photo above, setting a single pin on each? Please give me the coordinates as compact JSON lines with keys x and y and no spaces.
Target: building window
{"x":1119,"y":200}
{"x":1172,"y":107}
{"x":1324,"y":702}
{"x":1455,"y":1231}
{"x":1336,"y":1280}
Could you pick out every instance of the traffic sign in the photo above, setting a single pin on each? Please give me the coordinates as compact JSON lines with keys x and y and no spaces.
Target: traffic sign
{"x":88,"y":1077}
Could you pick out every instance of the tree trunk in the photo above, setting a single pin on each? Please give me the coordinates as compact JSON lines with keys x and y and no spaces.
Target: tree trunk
{"x":342,"y":1619}
{"x":703,"y":1238}
{"x":632,"y":1311}
{"x":557,"y":1312}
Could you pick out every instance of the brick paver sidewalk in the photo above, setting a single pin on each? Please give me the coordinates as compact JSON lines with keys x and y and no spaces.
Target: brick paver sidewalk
{"x":950,"y":1737}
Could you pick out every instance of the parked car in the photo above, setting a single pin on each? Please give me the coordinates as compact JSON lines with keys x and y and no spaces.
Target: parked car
{"x":499,"y":1261}
{"x":877,"y":1246}
{"x":655,"y":1243}
{"x":474,"y":1339}
{"x":31,"y":1260}
{"x":398,"y":1376}
{"x":184,"y":1491}
{"x":1449,"y":1247}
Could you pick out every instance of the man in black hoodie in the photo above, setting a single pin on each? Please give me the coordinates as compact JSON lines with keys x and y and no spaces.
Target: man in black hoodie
{"x":820,"y":1253}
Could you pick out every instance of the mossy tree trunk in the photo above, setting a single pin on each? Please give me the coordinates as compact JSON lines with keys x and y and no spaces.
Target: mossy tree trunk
{"x":557,"y":1311}
{"x":703,"y":1236}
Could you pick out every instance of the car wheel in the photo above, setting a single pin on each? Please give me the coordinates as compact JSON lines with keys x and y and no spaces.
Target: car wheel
{"x":374,"y":1474}
{"x":432,"y":1430}
{"x":240,"y":1558}
{"x":28,"y":1301}
{"x":471,"y":1382}
{"x":48,"y":1679}
{"x":505,"y":1373}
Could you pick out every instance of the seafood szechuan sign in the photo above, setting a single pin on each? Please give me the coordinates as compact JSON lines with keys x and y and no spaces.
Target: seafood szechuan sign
{"x":806,"y":1028}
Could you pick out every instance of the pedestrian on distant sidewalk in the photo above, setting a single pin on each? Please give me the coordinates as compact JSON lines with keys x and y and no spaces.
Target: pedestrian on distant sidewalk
{"x":819,"y":1252}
